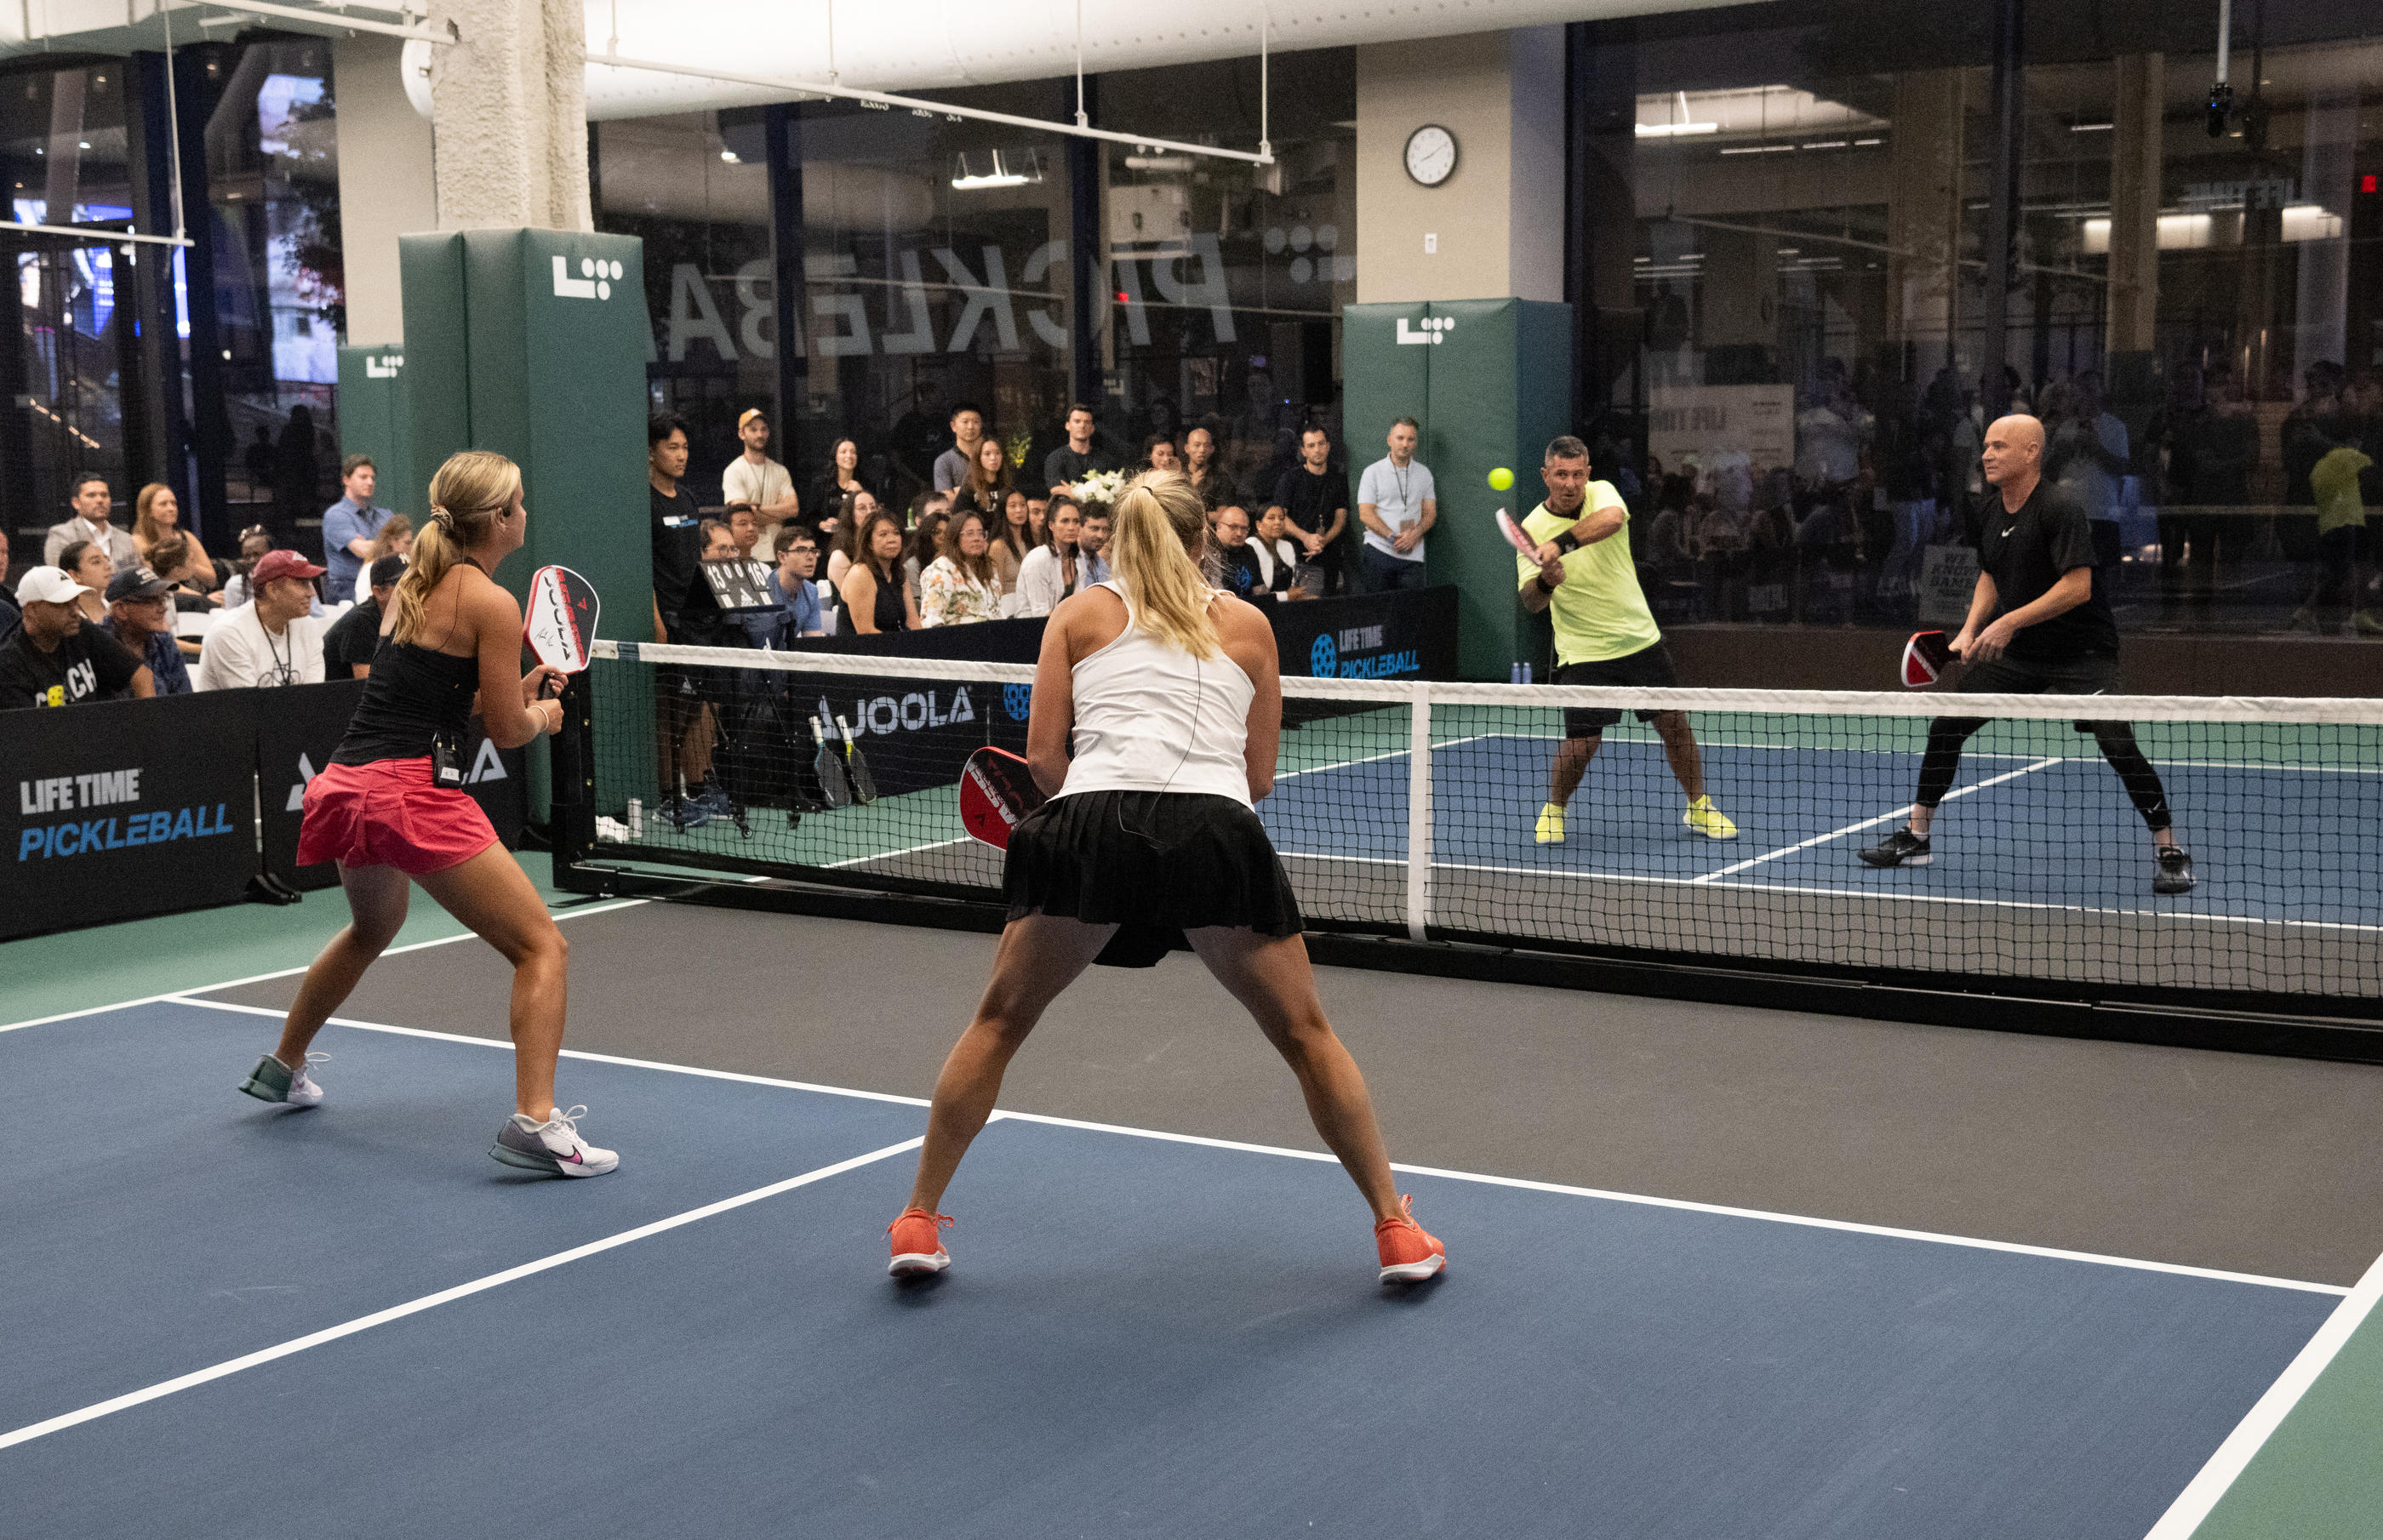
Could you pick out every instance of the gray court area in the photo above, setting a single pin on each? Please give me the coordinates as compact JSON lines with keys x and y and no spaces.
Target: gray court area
{"x":2238,"y":1162}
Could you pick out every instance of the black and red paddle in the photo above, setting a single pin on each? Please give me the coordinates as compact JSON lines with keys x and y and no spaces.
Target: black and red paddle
{"x":997,"y":792}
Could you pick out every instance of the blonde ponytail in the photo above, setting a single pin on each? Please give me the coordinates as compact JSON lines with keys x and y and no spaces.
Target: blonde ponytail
{"x":1157,"y":524}
{"x":466,"y":496}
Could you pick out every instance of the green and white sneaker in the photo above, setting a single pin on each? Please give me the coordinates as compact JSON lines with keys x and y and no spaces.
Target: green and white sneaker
{"x":271,"y":1080}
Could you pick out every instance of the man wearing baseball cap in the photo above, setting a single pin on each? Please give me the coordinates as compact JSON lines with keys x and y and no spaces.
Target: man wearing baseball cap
{"x":753,"y":477}
{"x":141,"y":617}
{"x":271,"y":640}
{"x":57,"y":660}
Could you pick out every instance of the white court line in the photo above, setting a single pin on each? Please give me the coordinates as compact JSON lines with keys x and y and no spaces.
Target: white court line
{"x":1766,"y":1215}
{"x":430,"y":1302}
{"x":290,"y":972}
{"x":567,"y":1052}
{"x":1720,"y":1210}
{"x":1883,"y":895}
{"x":886,"y":854}
{"x":1854,"y":828}
{"x":1904,"y":811}
{"x":2249,"y":1435}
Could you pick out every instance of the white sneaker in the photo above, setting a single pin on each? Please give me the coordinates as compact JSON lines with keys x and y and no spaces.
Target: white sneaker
{"x":553,"y":1147}
{"x":271,"y":1080}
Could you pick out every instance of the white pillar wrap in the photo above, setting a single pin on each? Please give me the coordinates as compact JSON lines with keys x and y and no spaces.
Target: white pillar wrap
{"x":509,"y":109}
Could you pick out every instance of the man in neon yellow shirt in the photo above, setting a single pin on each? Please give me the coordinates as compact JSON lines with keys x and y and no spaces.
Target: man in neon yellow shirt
{"x":2342,"y":552}
{"x":1605,"y":634}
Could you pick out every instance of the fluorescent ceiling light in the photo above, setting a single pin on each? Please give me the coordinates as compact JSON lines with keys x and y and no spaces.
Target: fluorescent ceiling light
{"x":1680,"y":125}
{"x":2091,"y":127}
{"x":1158,"y":163}
{"x":1002,"y":175}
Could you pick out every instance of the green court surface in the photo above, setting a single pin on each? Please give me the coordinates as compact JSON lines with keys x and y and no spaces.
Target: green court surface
{"x":2317,"y":1477}
{"x":76,"y":970}
{"x":2320,"y":1476}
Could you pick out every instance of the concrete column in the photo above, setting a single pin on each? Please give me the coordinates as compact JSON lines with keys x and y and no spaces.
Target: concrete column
{"x":387,"y":185}
{"x":1495,"y":228}
{"x":510,"y":105}
{"x":2135,"y":200}
{"x":1923,"y":207}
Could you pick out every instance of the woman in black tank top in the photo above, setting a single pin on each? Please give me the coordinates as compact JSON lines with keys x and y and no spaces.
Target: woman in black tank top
{"x":390,"y":805}
{"x":873,"y":592}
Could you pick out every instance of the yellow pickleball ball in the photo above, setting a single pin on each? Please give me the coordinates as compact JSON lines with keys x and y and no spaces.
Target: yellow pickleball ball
{"x":1501,"y":479}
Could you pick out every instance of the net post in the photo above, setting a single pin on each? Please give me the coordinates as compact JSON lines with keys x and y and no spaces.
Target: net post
{"x":1419,"y":812}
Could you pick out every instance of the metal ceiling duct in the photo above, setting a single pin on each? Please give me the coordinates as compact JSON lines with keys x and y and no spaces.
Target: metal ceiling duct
{"x":919,"y":46}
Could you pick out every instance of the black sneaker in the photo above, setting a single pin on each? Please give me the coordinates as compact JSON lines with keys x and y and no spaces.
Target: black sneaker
{"x":2175,"y":873}
{"x":1902,"y":848}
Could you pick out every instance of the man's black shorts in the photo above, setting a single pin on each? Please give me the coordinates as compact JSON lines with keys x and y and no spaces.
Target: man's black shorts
{"x":2085,"y":673}
{"x":1648,"y":668}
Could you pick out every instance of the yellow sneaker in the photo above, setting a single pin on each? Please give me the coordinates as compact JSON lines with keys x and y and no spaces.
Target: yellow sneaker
{"x":1709,"y":820}
{"x":1550,"y":830}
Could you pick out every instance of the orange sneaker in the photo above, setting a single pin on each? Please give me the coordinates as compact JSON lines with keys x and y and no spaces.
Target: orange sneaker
{"x":1410,"y":1253}
{"x":916,"y":1246}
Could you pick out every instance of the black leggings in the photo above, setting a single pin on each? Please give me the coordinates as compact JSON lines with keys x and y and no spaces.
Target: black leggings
{"x":1946,"y":734}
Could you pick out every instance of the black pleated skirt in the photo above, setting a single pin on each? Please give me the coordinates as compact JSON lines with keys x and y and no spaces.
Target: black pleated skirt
{"x":1155,"y":864}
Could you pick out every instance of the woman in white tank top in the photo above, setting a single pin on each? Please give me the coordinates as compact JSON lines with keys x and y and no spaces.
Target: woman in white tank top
{"x":1158,"y":713}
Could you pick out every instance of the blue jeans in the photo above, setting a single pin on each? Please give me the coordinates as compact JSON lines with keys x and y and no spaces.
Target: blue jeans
{"x":1386,"y":573}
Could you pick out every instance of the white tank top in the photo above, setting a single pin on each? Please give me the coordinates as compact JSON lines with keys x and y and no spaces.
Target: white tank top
{"x":1152,"y":718}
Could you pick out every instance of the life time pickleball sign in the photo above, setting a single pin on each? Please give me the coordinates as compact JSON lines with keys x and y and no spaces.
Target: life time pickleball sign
{"x":127,"y":808}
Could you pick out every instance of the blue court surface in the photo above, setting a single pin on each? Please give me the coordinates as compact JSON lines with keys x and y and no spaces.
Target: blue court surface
{"x":1142,"y":1336}
{"x":2281,"y":844}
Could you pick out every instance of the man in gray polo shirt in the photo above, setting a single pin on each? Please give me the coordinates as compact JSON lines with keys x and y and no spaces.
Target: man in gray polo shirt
{"x":1396,"y":504}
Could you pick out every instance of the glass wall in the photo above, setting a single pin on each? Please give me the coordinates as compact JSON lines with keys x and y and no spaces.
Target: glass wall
{"x":62,"y":135}
{"x":1797,"y":362}
{"x":271,"y":145}
{"x":936,"y":264}
{"x":694,"y":186}
{"x":1231,"y":278}
{"x":937,"y":270}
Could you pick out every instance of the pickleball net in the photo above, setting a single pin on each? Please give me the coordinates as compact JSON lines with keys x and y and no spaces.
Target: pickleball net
{"x":1414,"y":810}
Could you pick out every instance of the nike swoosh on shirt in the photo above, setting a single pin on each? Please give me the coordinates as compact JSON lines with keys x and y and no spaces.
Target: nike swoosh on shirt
{"x":2006,"y":534}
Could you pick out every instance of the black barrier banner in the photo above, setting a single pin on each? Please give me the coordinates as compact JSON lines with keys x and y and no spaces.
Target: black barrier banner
{"x":1395,"y":636}
{"x":298,"y":728}
{"x":127,"y":808}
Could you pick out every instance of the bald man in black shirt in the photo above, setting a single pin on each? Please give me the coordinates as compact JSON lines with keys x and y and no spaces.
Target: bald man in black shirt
{"x":2038,"y":623}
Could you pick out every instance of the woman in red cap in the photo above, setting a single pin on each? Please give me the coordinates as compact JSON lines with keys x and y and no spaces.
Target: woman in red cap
{"x":390,"y":805}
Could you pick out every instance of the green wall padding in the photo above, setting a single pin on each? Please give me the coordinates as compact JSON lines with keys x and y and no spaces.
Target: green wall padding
{"x":1491,"y":390}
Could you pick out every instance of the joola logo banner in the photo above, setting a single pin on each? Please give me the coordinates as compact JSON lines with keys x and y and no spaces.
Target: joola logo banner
{"x":125,"y":809}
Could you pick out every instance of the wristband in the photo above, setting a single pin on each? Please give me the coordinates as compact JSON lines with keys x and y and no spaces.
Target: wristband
{"x":1545,"y":586}
{"x":1567,"y":542}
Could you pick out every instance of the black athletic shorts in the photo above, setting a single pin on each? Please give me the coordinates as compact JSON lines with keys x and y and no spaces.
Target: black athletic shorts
{"x":2084,"y":673}
{"x":1648,"y":668}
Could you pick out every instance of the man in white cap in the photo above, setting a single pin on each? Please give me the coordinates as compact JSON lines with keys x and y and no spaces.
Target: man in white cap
{"x":271,"y":640}
{"x":57,"y":660}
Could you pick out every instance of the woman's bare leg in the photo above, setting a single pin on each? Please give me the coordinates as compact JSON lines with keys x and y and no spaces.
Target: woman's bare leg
{"x":376,"y":913}
{"x":492,"y":896}
{"x":1270,"y":977}
{"x":1039,"y":956}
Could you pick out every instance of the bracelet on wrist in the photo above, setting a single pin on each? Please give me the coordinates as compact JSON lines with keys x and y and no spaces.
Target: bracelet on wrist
{"x":1545,"y":586}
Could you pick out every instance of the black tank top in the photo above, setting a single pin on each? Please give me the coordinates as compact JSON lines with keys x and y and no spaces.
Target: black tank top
{"x":892,"y":614}
{"x":413,"y":695}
